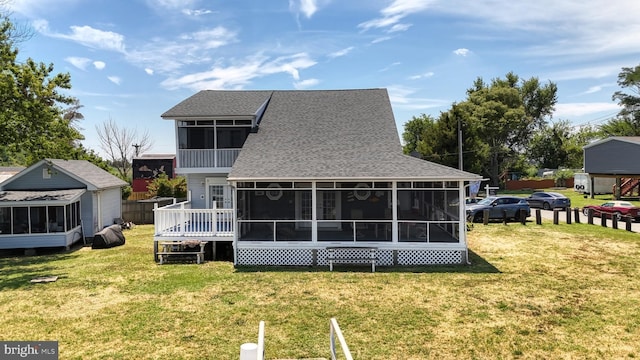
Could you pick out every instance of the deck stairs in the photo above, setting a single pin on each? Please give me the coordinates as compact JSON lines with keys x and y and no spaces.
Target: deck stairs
{"x":257,"y":351}
{"x":628,"y":186}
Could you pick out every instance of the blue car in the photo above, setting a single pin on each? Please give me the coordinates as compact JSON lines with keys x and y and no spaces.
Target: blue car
{"x":497,"y":205}
{"x":548,"y":200}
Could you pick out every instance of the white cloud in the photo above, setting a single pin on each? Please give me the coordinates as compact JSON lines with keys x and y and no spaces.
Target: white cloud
{"x":170,"y":4}
{"x":194,"y":48}
{"x":571,"y":110}
{"x":399,"y":27}
{"x":462,"y":52}
{"x":305,"y":84}
{"x":565,"y":28}
{"x":115,"y":79}
{"x":396,"y":11}
{"x":586,"y":72}
{"x":79,"y":62}
{"x":86,"y":35}
{"x":148,"y":71}
{"x":390,"y":66}
{"x":99,"y":64}
{"x":402,"y":97}
{"x":199,"y":12}
{"x":381,"y":39}
{"x":422,"y":76}
{"x":342,"y":52}
{"x":305,"y":7}
{"x":237,"y":76}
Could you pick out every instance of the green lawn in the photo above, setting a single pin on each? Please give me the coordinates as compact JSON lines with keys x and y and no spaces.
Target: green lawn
{"x":532,"y":292}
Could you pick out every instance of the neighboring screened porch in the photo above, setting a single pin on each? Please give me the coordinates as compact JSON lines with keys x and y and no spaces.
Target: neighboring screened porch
{"x":39,"y":218}
{"x":335,"y":211}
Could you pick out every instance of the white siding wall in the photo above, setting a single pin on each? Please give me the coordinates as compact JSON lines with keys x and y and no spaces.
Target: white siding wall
{"x":196,"y":185}
{"x":39,"y":240}
{"x":111,"y":206}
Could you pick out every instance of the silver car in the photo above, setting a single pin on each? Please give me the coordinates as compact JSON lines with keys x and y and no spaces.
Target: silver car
{"x":548,"y":200}
{"x":498,"y":206}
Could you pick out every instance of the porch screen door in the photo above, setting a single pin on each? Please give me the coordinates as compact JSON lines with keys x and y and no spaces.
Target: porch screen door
{"x":328,"y":208}
{"x":219,"y":193}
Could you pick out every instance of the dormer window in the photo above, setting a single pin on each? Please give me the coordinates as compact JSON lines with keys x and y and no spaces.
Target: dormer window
{"x":213,"y":134}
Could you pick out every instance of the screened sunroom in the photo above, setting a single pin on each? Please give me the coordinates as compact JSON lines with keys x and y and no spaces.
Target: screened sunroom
{"x":348,"y":211}
{"x":31,"y":219}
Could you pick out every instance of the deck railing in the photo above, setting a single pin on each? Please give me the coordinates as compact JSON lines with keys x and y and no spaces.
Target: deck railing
{"x":334,"y":332}
{"x":207,"y":158}
{"x":180,"y":220}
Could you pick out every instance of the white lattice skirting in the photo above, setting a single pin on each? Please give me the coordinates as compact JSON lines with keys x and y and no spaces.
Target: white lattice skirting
{"x":309,"y":257}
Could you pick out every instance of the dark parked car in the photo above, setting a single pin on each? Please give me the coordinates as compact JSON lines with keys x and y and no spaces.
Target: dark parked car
{"x":614,"y":208}
{"x":548,"y":200}
{"x":496,"y":206}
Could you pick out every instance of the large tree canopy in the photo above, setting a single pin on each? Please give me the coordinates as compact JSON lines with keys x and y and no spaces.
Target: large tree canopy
{"x":498,"y":120}
{"x":32,"y":121}
{"x":627,"y":122}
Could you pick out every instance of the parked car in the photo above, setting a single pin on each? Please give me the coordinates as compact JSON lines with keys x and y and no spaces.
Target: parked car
{"x":470,"y":200}
{"x":496,"y":206}
{"x":614,"y":208}
{"x":548,"y":200}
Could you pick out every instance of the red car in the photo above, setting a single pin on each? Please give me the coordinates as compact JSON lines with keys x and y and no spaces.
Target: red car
{"x":619,"y":209}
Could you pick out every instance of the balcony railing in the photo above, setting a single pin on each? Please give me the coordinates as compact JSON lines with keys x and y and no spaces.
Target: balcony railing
{"x":180,"y":220}
{"x":207,"y":158}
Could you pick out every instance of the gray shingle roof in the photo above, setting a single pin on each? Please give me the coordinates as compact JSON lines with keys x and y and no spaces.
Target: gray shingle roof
{"x":208,"y":103}
{"x":86,"y":172}
{"x":332,"y":134}
{"x":45,"y":195}
{"x":630,"y":139}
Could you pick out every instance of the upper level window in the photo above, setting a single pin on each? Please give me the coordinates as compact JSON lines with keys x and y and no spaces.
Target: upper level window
{"x":218,"y":134}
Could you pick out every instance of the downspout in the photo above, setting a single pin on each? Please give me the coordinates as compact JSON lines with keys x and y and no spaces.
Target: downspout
{"x":99,"y":204}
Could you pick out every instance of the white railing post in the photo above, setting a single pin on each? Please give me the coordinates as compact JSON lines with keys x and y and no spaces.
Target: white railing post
{"x":261,"y":341}
{"x":334,"y":331}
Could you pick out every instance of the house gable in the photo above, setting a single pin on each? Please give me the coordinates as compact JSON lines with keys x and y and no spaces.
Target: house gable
{"x":332,"y":134}
{"x":51,"y":174}
{"x":613,"y":156}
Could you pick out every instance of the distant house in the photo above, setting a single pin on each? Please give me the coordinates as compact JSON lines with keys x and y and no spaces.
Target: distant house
{"x":148,"y":167}
{"x":614,"y":157}
{"x":283,"y":177}
{"x":55,"y":203}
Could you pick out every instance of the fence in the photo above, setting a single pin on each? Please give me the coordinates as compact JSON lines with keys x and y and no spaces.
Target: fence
{"x":141,"y":212}
{"x":536,"y":184}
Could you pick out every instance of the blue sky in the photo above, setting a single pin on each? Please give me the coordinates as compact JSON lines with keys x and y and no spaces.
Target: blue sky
{"x":131,"y":60}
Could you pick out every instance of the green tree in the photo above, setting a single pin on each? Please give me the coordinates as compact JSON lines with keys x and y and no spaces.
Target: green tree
{"x":164,"y":187}
{"x":547,"y":148}
{"x":627,"y":122}
{"x":497,"y":119}
{"x":32,"y":125}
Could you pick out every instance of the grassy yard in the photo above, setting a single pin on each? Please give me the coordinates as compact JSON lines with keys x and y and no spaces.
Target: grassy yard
{"x":532,"y":292}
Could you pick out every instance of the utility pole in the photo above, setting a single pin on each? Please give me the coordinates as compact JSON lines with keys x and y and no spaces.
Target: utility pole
{"x":137,"y":146}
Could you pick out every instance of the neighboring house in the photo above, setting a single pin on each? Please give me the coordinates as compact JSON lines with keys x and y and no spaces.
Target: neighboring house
{"x":148,"y":167}
{"x":55,"y":203}
{"x":280,"y":176}
{"x":614,"y":157}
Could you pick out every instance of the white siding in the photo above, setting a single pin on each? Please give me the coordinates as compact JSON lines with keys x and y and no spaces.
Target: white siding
{"x":111,"y":206}
{"x":39,"y":240}
{"x":196,"y":185}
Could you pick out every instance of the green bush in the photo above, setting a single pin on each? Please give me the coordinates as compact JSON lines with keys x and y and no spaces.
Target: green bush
{"x":561,"y":177}
{"x":162,"y":186}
